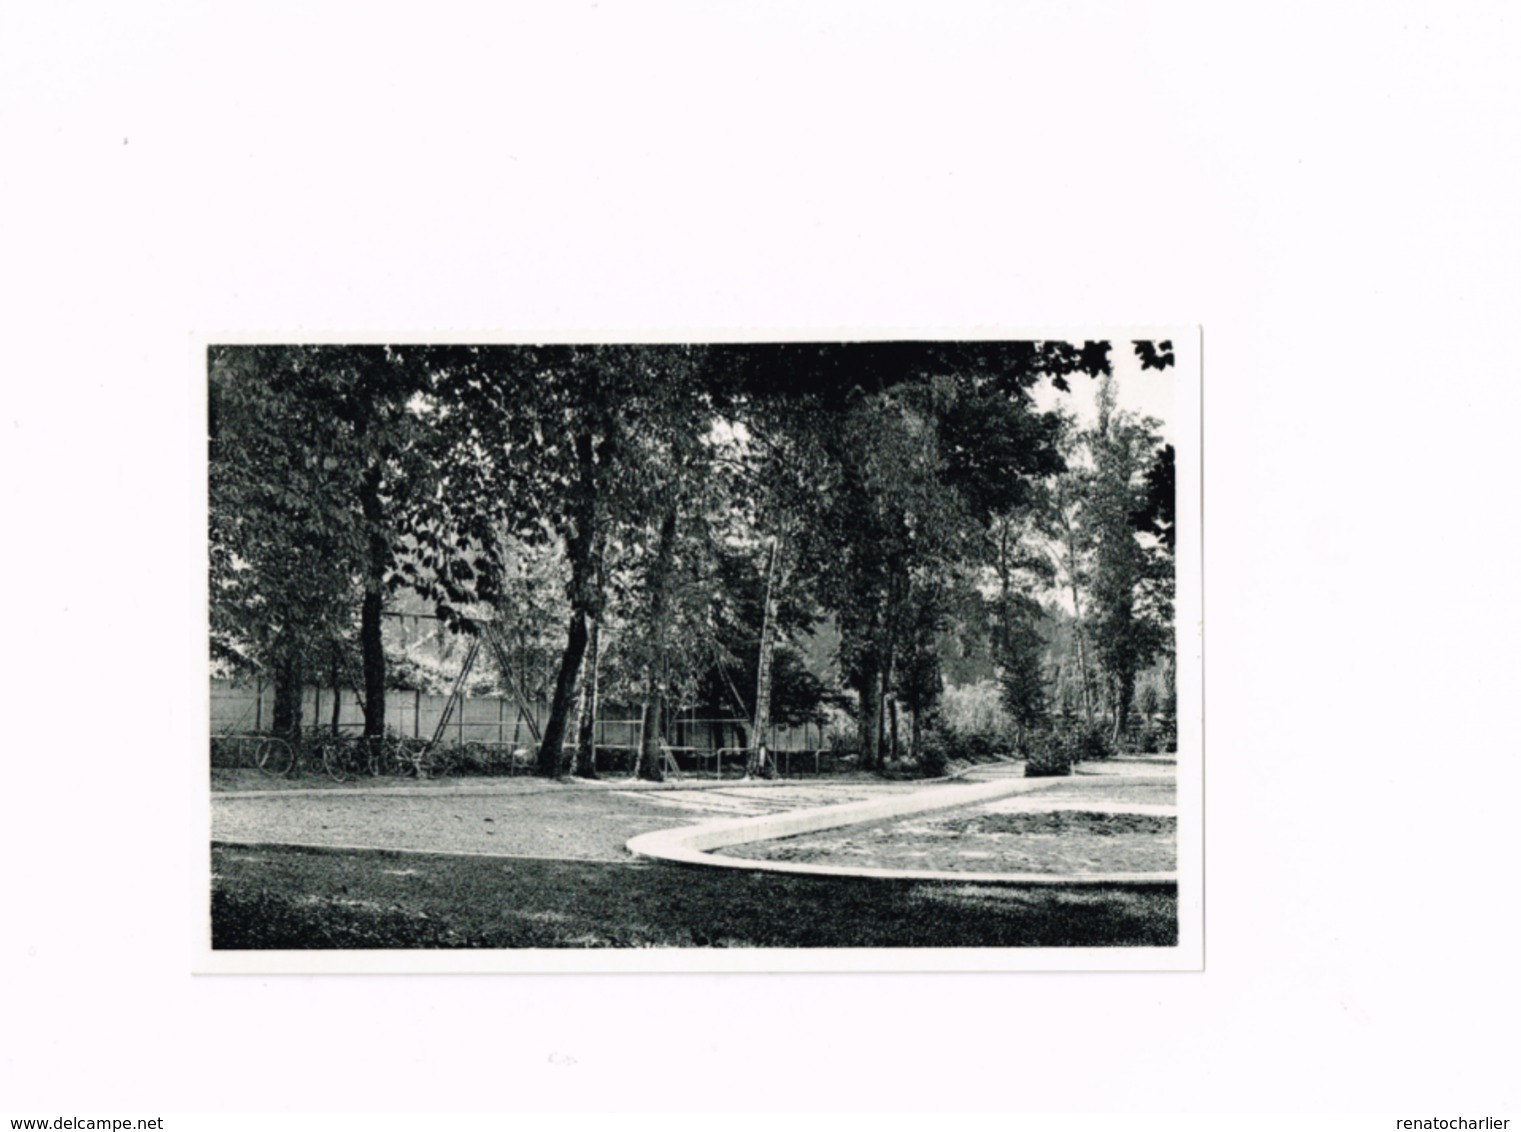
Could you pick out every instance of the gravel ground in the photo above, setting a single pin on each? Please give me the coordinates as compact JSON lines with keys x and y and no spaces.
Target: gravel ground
{"x":566,"y":823}
{"x":524,"y":817}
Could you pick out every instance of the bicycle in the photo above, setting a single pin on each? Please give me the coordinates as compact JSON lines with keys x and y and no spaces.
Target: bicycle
{"x":342,"y":758}
{"x":252,"y":751}
{"x":403,"y":757}
{"x":274,"y":756}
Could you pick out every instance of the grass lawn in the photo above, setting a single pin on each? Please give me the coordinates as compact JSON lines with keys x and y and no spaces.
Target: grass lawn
{"x":286,"y":897}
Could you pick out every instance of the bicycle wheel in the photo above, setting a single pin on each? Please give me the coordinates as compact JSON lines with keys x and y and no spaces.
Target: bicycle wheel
{"x":335,"y":761}
{"x":273,"y":756}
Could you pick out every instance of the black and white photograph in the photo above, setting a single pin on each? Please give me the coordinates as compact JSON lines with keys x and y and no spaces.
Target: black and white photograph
{"x":780,"y":645}
{"x":732,"y":564}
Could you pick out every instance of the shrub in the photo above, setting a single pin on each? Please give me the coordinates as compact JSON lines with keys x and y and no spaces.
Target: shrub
{"x":933,"y":759}
{"x":946,"y":743}
{"x":1047,"y":754}
{"x":1087,"y":744}
{"x":841,"y":742}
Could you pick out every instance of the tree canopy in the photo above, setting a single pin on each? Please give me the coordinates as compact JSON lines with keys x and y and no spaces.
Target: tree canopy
{"x":676,"y":524}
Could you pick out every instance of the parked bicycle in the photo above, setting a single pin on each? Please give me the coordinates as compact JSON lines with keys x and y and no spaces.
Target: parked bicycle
{"x":345,"y":757}
{"x":253,"y":751}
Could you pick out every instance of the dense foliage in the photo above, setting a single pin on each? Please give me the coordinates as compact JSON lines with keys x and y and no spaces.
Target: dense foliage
{"x":679,"y":527}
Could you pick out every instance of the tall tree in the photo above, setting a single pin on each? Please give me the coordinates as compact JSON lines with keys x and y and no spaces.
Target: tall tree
{"x":284,"y":543}
{"x":759,"y":761}
{"x":330,"y":453}
{"x":1062,"y":516}
{"x":1128,"y":635}
{"x":569,"y":444}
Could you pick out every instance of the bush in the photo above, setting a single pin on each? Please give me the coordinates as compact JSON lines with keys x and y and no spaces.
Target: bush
{"x":1088,"y":744}
{"x":841,"y":742}
{"x":943,"y":744}
{"x":1047,"y":754}
{"x":933,"y":759}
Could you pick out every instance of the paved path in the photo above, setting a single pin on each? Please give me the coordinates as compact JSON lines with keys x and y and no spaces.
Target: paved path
{"x":997,"y":791}
{"x":530,"y":817}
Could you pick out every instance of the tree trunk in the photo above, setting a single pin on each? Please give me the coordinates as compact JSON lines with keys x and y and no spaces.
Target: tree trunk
{"x":373,"y":650}
{"x":586,"y":736}
{"x":287,"y":710}
{"x":651,"y":758}
{"x":870,"y":718}
{"x":759,"y":760}
{"x":1124,"y":696}
{"x":1087,"y":677}
{"x":584,"y":592}
{"x":337,"y":694}
{"x":890,"y":705}
{"x":551,"y":762}
{"x":1078,"y":631}
{"x":371,"y":643}
{"x":651,"y":764}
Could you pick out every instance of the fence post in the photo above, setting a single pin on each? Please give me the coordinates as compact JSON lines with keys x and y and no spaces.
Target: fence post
{"x":258,"y":703}
{"x":417,"y":713}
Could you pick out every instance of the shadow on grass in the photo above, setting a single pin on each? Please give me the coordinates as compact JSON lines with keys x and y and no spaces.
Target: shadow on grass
{"x":282,"y":897}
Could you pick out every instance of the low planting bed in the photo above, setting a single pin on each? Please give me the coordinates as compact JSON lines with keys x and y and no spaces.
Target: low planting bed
{"x":987,"y":840}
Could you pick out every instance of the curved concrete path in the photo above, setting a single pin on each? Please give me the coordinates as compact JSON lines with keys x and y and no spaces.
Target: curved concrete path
{"x":695,"y":844}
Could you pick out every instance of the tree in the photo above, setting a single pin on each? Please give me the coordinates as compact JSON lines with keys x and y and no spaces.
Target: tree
{"x":371,"y":392}
{"x":328,"y":488}
{"x":924,"y":465}
{"x":284,"y":544}
{"x":1021,"y":571}
{"x":1128,"y":633}
{"x":574,"y":445}
{"x":759,"y":762}
{"x":1062,"y":516}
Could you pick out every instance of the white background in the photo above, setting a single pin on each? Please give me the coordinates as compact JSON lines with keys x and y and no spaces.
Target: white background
{"x":1328,"y":189}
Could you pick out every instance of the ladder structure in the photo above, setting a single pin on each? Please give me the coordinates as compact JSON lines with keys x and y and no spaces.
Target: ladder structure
{"x":493,"y":638}
{"x":456,"y":694}
{"x":487,"y":632}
